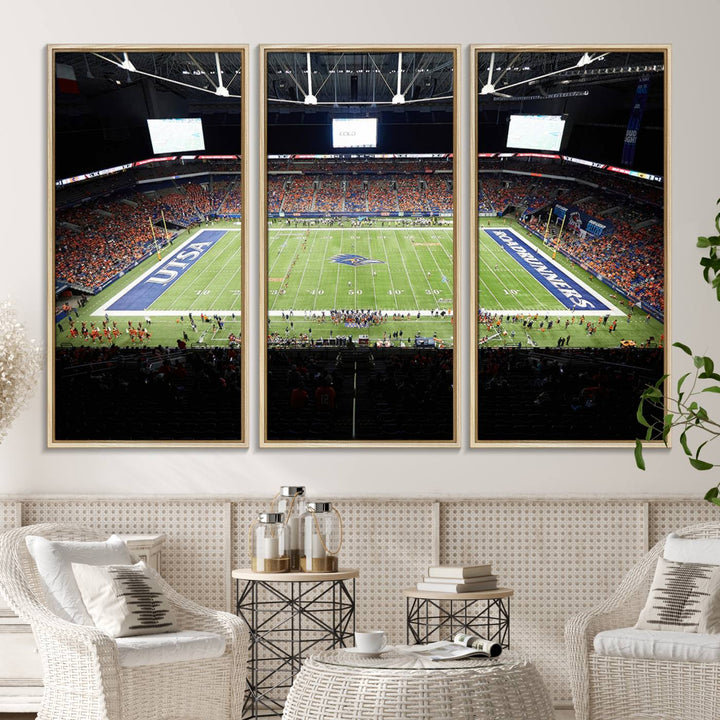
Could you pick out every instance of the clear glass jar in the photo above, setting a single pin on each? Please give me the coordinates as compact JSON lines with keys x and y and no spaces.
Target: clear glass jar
{"x":322,"y":538}
{"x":269,"y":547}
{"x":292,"y":503}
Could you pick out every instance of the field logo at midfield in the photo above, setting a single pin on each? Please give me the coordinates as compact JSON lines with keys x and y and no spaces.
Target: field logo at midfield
{"x":354,"y":260}
{"x":143,"y":293}
{"x":562,"y":285}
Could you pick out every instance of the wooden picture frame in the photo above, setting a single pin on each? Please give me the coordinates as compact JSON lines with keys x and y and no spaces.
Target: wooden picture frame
{"x":122,"y":371}
{"x":510,"y":406}
{"x":290,"y":416}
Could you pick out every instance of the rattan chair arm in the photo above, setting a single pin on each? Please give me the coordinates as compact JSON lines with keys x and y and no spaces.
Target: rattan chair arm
{"x":192,"y":616}
{"x":619,"y":610}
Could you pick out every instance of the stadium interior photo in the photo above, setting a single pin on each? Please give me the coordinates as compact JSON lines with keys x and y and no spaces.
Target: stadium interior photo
{"x":148,"y":246}
{"x":571,"y":158}
{"x":360,"y":246}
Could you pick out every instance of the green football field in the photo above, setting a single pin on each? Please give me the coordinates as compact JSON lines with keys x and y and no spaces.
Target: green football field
{"x":505,"y":289}
{"x":405,"y":272}
{"x":398,"y":270}
{"x":213,"y":284}
{"x":393,"y":269}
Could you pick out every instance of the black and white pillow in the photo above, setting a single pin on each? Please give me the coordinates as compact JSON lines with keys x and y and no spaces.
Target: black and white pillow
{"x":684,"y":597}
{"x":124,"y":600}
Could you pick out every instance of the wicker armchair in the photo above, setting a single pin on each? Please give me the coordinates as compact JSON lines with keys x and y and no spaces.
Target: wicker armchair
{"x":614,"y":688}
{"x":81,"y":671}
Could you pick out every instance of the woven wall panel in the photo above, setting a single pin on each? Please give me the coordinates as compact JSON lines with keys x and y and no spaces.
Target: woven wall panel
{"x":559,"y":557}
{"x":669,"y":515}
{"x":193,"y":555}
{"x":389,"y":542}
{"x":7,"y":515}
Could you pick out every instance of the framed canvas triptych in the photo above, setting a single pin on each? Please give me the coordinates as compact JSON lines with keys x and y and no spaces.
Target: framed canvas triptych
{"x":359,"y":244}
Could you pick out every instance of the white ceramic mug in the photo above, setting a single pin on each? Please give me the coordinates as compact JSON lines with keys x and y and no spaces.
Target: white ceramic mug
{"x":372,"y":641}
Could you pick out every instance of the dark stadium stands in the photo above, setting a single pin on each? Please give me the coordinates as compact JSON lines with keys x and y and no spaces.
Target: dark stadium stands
{"x":589,"y":393}
{"x":384,"y":394}
{"x":136,"y":394}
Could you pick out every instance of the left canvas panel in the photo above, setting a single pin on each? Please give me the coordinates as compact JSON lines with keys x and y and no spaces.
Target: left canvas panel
{"x":147,"y":250}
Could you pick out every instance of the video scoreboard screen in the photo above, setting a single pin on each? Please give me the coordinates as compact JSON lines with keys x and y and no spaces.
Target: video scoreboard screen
{"x":176,"y":135}
{"x":354,"y":132}
{"x":536,"y":132}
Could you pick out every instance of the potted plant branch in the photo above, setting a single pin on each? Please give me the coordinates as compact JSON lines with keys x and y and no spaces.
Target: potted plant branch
{"x":660,"y":414}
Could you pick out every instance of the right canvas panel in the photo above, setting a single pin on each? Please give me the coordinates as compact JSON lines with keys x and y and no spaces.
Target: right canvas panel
{"x":570,"y":241}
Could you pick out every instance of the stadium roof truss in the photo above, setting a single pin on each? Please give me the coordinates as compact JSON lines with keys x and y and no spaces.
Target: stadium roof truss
{"x":214,"y":73}
{"x":522,"y":75}
{"x":359,"y":78}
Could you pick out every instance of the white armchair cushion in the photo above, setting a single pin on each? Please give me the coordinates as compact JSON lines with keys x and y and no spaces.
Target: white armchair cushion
{"x":658,"y":645}
{"x":124,"y":600}
{"x":54,"y":558}
{"x":169,"y":648}
{"x":692,"y":550}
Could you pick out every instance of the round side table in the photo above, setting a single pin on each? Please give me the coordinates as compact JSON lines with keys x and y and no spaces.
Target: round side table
{"x":290,"y":615}
{"x":484,"y":613}
{"x":340,"y":685}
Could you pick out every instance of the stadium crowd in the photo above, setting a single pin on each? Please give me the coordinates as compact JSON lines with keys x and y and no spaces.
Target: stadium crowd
{"x":96,"y":240}
{"x":630,"y":255}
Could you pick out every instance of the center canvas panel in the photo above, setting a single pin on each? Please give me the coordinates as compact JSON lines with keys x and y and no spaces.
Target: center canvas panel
{"x":359,"y":302}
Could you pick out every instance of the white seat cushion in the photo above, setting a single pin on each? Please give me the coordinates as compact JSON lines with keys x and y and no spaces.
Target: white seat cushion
{"x":169,"y":648}
{"x":658,"y":645}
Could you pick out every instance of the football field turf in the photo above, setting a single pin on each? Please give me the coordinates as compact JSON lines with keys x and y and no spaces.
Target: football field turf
{"x":393,"y":269}
{"x":518,"y":276}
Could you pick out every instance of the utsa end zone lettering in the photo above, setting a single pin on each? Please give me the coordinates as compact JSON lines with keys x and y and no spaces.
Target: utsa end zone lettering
{"x":539,"y":266}
{"x":165,"y":275}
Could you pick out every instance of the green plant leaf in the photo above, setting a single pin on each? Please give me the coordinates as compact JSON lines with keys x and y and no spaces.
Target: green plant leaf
{"x":640,"y":415}
{"x":709,"y":376}
{"x":712,"y":493}
{"x":699,"y":361}
{"x":703,"y":242}
{"x":639,"y":461}
{"x":684,"y":443}
{"x":700,"y":464}
{"x":708,"y":364}
{"x":715,"y":501}
{"x":683,"y":347}
{"x":712,"y":388}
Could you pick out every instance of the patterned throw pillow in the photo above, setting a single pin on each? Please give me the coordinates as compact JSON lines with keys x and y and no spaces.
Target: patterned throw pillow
{"x":684,"y":597}
{"x":124,"y":600}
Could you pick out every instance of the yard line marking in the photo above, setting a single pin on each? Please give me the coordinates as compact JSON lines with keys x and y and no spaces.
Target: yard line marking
{"x":412,"y":290}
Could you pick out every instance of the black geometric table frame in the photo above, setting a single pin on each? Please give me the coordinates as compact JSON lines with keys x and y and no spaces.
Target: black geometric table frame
{"x":489,"y":618}
{"x":314,"y":615}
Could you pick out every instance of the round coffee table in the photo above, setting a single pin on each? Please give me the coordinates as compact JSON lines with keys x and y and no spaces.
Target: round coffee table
{"x":341,"y":685}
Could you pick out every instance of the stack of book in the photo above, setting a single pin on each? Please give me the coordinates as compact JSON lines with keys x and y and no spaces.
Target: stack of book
{"x":458,"y":579}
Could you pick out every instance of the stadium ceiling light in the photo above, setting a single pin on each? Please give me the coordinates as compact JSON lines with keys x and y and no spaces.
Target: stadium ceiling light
{"x":584,"y":60}
{"x":126,"y":64}
{"x":222,"y":91}
{"x":487,"y":89}
{"x":310,"y":100}
{"x":398,"y":99}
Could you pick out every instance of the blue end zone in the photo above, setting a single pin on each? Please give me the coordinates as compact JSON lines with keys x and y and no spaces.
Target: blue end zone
{"x":552,"y":277}
{"x":151,"y":287}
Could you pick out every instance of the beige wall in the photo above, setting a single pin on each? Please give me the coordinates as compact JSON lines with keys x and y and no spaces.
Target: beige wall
{"x":691,"y":27}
